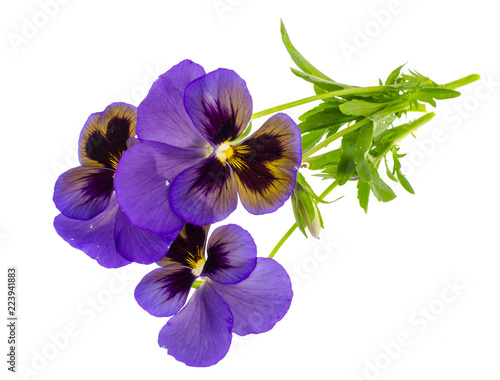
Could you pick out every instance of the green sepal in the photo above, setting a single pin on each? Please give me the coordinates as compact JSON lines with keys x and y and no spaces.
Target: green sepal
{"x":296,"y":213}
{"x":322,"y":160}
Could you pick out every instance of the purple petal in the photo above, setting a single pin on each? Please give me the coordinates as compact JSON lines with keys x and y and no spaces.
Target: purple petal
{"x":142,"y":184}
{"x":266,"y":165}
{"x":83,"y":192}
{"x":138,"y":245}
{"x":163,"y":292}
{"x":219,"y":105}
{"x":162,"y":117}
{"x":205,"y":193}
{"x":231,"y":255}
{"x":200,"y":334}
{"x":94,"y":236}
{"x":104,"y":137}
{"x":188,"y":248}
{"x":261,"y":300}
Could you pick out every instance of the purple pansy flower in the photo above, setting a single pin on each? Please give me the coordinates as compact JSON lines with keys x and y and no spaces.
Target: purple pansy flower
{"x":189,"y":166}
{"x":90,"y":218}
{"x":239,"y":293}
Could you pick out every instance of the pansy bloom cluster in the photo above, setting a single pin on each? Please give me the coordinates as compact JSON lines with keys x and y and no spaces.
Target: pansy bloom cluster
{"x":151,"y":182}
{"x":153,"y":179}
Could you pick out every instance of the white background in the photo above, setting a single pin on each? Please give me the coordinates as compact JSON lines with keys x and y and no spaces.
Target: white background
{"x":363,"y":286}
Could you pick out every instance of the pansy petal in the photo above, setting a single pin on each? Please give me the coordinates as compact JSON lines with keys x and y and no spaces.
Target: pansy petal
{"x":219,"y":105}
{"x":138,"y":245}
{"x":231,"y":255}
{"x":94,"y":236}
{"x":205,"y":193}
{"x":104,"y":137}
{"x":188,"y":248}
{"x":161,"y":116}
{"x":200,"y":334}
{"x":163,"y":292}
{"x":83,"y":192}
{"x":261,"y":300}
{"x":142,"y":184}
{"x":266,"y":165}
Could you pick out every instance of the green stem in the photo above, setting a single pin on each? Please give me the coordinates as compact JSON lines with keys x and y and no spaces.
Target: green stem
{"x":283,"y":239}
{"x":462,"y":82}
{"x":326,"y":95}
{"x":292,"y":229}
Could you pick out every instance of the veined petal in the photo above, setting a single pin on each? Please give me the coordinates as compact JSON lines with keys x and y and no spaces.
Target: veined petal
{"x":138,"y":245}
{"x":204,"y":193}
{"x":231,"y":255}
{"x":143,"y":181}
{"x":94,"y":236}
{"x":164,"y":291}
{"x":219,"y":105}
{"x":261,"y":300}
{"x":200,"y":334}
{"x":266,"y":164}
{"x":83,"y":192}
{"x":161,"y":116}
{"x":104,"y":137}
{"x":188,"y":248}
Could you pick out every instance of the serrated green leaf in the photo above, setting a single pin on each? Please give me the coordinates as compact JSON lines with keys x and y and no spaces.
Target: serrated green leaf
{"x":389,"y":173}
{"x":363,"y":194}
{"x":429,"y":94}
{"x":346,"y":166}
{"x":358,"y":107}
{"x":298,"y":58}
{"x":404,"y":182}
{"x":363,"y":170}
{"x":363,"y":142}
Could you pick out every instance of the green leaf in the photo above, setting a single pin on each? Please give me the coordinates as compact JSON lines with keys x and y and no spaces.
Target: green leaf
{"x":325,"y":115}
{"x":390,"y":174}
{"x":363,"y":142}
{"x":404,"y":182}
{"x":392,"y":78}
{"x":363,"y":194}
{"x":323,"y":84}
{"x":320,"y":161}
{"x":298,"y":58}
{"x":309,"y":140}
{"x":429,"y":94}
{"x":363,"y":170}
{"x":347,"y":167}
{"x":380,"y":189}
{"x":361,"y":108}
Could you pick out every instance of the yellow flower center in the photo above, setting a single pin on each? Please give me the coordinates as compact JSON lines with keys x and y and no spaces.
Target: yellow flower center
{"x":224,"y":152}
{"x":198,"y":268}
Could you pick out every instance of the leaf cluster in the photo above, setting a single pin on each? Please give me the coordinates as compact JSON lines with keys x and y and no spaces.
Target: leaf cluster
{"x":368,"y":122}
